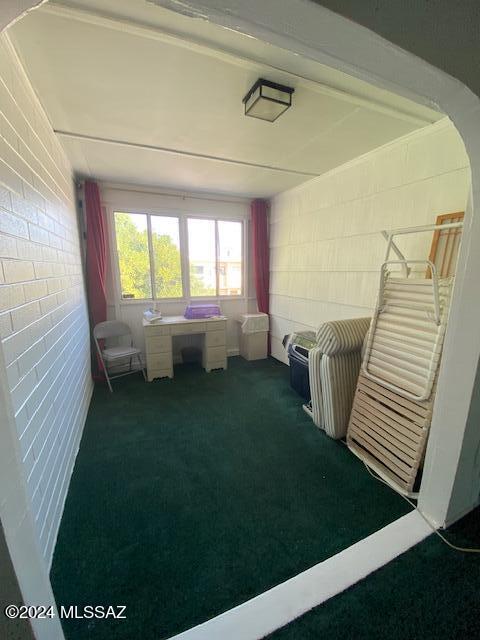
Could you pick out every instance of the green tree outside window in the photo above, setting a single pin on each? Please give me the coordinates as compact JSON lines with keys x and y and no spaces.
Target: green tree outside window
{"x":134,"y":263}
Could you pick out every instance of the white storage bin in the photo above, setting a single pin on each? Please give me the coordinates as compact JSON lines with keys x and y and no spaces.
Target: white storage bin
{"x":253,"y":336}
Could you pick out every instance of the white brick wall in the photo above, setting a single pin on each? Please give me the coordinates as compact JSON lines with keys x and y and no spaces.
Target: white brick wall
{"x":326,"y":247}
{"x":43,"y":317}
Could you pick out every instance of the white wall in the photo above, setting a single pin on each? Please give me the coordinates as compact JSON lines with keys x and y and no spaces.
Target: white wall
{"x":43,"y":317}
{"x":13,"y":10}
{"x":118,"y":198}
{"x":326,"y":247}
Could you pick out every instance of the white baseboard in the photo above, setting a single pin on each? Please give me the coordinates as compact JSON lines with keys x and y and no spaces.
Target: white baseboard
{"x":278,"y":606}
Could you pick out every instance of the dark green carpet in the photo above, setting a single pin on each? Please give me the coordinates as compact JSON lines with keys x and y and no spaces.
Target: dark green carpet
{"x":430,"y":593}
{"x":193,"y":495}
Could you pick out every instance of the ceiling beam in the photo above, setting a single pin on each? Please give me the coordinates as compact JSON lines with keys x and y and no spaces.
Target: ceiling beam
{"x":179,"y":152}
{"x":204,"y":47}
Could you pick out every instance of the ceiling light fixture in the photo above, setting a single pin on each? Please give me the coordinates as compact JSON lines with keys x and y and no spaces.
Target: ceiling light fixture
{"x":267,"y":100}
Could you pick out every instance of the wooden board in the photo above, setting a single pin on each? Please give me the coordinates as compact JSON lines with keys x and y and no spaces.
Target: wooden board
{"x":445,"y":245}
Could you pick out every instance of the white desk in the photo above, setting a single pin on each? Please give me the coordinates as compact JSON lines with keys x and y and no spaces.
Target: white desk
{"x":158,"y":343}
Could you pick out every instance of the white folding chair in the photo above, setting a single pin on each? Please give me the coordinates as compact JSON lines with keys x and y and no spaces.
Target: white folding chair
{"x":110,"y":355}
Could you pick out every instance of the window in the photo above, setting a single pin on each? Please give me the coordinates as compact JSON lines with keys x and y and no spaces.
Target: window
{"x":151,"y":253}
{"x":215,"y":257}
{"x":133,"y":255}
{"x":202,"y":257}
{"x":166,"y":257}
{"x":229,"y":258}
{"x":148,"y":245}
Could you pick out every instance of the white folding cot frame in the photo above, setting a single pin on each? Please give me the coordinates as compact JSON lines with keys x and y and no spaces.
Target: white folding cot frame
{"x":419,"y":304}
{"x":389,"y":425}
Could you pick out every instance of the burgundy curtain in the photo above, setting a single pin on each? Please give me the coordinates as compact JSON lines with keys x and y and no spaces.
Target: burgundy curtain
{"x":96,"y":261}
{"x":261,"y":255}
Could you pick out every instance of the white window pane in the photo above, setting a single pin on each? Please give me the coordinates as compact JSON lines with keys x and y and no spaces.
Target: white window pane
{"x":133,"y":256}
{"x":229,"y":258}
{"x":201,"y":254}
{"x":166,"y":257}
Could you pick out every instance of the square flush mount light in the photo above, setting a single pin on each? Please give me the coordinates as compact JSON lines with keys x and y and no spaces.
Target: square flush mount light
{"x":267,"y":100}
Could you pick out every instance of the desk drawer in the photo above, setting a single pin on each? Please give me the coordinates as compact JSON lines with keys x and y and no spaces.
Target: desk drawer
{"x":216,"y":325}
{"x":215,"y":338}
{"x":159,"y":360}
{"x":215,"y":354}
{"x":158,"y":344}
{"x":220,"y":364}
{"x":159,"y":373}
{"x":187,"y":327}
{"x":156,"y":330}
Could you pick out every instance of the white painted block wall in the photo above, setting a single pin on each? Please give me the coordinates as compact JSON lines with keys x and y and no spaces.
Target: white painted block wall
{"x":44,"y":329}
{"x":326,"y":247}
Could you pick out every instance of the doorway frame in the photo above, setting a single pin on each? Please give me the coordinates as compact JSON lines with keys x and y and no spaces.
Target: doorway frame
{"x":452,"y":462}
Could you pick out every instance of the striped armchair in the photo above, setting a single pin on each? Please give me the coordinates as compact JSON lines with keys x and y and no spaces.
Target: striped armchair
{"x":333,"y":368}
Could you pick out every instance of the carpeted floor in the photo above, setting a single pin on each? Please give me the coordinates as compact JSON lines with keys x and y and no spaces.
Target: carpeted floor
{"x":190,"y":496}
{"x":429,"y":593}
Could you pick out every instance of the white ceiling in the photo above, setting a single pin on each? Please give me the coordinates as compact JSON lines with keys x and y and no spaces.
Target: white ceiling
{"x":145,"y":96}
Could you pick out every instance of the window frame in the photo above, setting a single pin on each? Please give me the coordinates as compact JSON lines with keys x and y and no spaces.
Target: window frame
{"x":182,"y":217}
{"x":217,"y":219}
